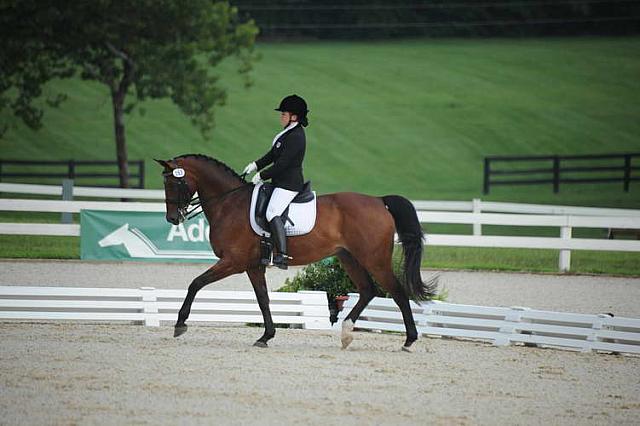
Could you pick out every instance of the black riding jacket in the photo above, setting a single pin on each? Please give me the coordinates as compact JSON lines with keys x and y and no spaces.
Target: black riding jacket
{"x":286,"y":155}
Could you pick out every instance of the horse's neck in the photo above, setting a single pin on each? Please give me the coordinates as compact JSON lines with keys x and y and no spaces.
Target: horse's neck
{"x":214,"y":182}
{"x":211,"y":188}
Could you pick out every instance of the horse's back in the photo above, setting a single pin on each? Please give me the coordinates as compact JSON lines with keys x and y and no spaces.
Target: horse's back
{"x":357,"y":211}
{"x":351,"y":198}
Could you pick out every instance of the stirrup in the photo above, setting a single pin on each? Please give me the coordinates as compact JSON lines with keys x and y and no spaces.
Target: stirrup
{"x":281,"y":260}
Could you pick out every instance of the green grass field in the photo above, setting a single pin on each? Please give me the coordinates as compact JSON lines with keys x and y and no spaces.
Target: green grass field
{"x":409,"y":117}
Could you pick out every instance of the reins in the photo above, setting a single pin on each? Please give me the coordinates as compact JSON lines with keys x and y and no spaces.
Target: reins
{"x":196,"y":203}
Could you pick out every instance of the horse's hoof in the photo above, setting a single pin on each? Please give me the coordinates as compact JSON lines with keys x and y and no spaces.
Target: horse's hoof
{"x":260,"y":344}
{"x":346,"y":341}
{"x":347,"y":333}
{"x":179,"y":330}
{"x":408,"y":349}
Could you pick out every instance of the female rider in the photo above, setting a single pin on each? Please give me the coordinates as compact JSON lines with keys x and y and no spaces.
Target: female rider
{"x":286,"y":154}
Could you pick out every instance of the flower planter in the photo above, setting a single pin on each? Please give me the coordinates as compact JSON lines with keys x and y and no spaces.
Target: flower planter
{"x":340,"y":302}
{"x":335,"y":306}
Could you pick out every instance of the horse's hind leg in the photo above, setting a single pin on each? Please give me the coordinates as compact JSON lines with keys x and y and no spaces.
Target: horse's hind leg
{"x":217,"y":272}
{"x":366,"y":288}
{"x":259,"y":283}
{"x":390,"y":283}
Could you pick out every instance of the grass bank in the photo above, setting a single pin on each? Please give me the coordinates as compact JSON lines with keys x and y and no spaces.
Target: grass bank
{"x":410,"y":117}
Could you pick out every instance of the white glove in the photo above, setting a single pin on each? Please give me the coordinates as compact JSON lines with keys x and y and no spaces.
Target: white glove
{"x":256,"y":179}
{"x":251,"y":167}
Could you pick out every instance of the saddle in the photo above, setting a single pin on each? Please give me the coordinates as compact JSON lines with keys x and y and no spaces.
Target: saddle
{"x":264,"y":195}
{"x":298,"y":218}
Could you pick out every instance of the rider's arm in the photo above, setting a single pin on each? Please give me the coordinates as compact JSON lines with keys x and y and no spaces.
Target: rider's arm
{"x":265,"y":160}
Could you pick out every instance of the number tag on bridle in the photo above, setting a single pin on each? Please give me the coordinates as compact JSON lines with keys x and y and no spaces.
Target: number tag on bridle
{"x":178,"y":172}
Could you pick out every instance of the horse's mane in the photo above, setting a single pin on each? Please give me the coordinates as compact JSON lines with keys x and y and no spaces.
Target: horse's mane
{"x":219,"y":163}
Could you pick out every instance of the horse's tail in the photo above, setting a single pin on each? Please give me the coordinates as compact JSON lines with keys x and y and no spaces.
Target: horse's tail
{"x":411,"y":235}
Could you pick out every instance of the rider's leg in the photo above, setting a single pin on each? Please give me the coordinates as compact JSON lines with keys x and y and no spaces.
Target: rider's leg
{"x":280,"y":239}
{"x":278,"y":203}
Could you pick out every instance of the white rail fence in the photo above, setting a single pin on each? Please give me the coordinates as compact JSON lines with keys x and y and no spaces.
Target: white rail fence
{"x":309,"y":310}
{"x":504,"y":326}
{"x":565,"y":243}
{"x":82,"y":191}
{"x":474,"y":206}
{"x":151,"y":306}
{"x":450,"y":212}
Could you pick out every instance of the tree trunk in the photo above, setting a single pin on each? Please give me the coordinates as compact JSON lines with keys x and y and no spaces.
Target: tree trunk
{"x":117,"y":99}
{"x":118,"y":94}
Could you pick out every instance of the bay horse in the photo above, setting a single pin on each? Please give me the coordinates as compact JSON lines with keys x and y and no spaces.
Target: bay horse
{"x":358,"y":229}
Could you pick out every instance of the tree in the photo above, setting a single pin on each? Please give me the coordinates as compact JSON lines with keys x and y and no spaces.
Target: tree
{"x":140,"y":49}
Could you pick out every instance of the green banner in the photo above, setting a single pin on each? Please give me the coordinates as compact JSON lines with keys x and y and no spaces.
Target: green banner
{"x":143,"y":236}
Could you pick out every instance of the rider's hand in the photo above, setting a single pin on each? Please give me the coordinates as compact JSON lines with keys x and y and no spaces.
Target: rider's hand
{"x":256,"y":179}
{"x":251,"y":167}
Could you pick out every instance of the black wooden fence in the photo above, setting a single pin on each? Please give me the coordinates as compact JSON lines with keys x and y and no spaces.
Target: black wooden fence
{"x":557,"y":169}
{"x":356,"y":19}
{"x":71,"y":169}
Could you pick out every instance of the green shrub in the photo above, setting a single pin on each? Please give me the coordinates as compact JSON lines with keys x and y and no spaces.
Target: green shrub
{"x":326,"y":275}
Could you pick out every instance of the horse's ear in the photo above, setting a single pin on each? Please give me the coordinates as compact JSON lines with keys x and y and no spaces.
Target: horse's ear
{"x":163,"y":163}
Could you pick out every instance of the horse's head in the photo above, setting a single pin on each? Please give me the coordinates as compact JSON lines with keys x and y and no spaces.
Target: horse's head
{"x":179,"y":187}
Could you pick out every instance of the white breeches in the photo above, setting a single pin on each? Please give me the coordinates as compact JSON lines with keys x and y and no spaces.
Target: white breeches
{"x":279,"y":201}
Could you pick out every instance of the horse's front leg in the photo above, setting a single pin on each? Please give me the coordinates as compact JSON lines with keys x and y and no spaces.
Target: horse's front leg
{"x":220,"y":270}
{"x":256,"y":275}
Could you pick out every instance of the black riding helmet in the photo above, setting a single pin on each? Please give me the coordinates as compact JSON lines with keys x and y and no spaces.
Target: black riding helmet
{"x":294,"y":104}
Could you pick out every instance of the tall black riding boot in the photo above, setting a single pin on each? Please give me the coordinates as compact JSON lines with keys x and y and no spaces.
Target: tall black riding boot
{"x":280,"y":239}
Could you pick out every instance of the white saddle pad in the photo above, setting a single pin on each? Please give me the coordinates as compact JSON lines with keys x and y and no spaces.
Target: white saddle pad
{"x":302,"y":215}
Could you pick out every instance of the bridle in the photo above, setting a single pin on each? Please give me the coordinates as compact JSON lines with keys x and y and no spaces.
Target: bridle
{"x":186,"y":204}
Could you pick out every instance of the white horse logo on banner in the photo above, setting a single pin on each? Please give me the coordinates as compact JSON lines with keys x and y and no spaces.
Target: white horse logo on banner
{"x":139,"y":246}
